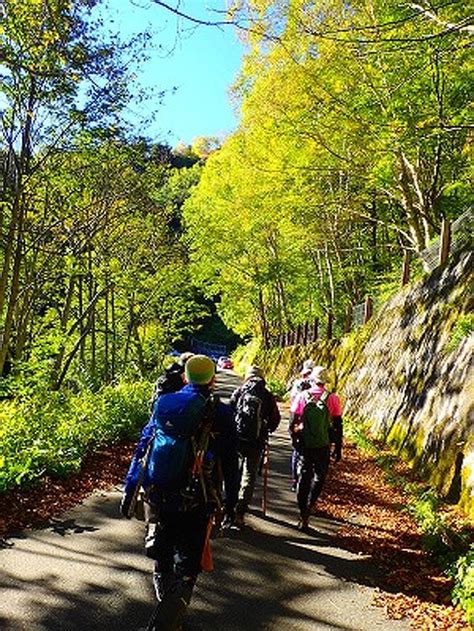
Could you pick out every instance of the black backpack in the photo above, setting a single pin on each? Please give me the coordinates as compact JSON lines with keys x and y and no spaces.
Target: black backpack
{"x":248,"y":414}
{"x":170,"y":381}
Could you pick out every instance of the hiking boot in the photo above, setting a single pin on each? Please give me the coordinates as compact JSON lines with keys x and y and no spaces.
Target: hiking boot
{"x":169,"y":613}
{"x":226,"y":523}
{"x":303,"y":523}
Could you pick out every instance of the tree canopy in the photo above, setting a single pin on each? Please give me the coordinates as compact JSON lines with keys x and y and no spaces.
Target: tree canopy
{"x":353,"y":146}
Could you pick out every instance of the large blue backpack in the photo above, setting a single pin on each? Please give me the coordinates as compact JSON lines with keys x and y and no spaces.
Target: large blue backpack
{"x":179,"y":419}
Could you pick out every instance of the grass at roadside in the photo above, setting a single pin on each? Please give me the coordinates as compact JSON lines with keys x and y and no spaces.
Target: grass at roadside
{"x":50,"y":433}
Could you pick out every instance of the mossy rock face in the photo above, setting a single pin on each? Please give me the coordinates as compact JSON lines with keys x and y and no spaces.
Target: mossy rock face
{"x":402,"y":374}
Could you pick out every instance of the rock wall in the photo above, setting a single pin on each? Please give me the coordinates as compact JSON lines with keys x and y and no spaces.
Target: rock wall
{"x":408,"y":376}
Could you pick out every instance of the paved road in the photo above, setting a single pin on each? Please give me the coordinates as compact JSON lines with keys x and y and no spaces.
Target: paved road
{"x":87,"y":572}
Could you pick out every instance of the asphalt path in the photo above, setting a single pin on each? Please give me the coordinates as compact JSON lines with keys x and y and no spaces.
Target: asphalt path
{"x":86,"y":571}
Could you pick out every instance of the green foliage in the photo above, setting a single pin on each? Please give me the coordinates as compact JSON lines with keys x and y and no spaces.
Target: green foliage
{"x":463,"y":592}
{"x":357,"y":433}
{"x":50,"y":432}
{"x":278,"y":388}
{"x":462,"y":329}
{"x":342,"y":160}
{"x":440,"y":539}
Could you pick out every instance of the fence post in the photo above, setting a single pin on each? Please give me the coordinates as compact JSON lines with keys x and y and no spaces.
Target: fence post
{"x":306,"y":333}
{"x":315,"y":329}
{"x":368,"y":309}
{"x":330,"y":323}
{"x":298,"y":334}
{"x":348,"y":319}
{"x":445,"y":241}
{"x":406,"y":267}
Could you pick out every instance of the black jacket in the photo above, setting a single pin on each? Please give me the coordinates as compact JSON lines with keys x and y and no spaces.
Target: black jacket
{"x":270,"y":412}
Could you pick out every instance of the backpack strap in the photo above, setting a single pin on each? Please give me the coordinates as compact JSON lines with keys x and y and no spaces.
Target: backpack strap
{"x":201,"y":445}
{"x":324,"y":396}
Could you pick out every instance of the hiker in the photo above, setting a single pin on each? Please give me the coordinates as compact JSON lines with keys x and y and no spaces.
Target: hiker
{"x":315,"y":415}
{"x":193,"y":444}
{"x":172,"y":379}
{"x":256,"y":415}
{"x":302,"y":382}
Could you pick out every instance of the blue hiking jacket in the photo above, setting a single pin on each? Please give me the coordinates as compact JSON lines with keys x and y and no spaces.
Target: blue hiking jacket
{"x":223,"y":440}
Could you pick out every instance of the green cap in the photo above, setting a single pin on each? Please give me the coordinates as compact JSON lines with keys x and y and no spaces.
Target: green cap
{"x":199,"y":369}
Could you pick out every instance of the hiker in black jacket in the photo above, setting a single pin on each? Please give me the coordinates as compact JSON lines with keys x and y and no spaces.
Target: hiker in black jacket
{"x":172,"y":379}
{"x":256,"y":415}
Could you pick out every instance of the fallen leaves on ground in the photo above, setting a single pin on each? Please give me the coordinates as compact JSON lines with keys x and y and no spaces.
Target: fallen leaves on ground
{"x":374,"y":523}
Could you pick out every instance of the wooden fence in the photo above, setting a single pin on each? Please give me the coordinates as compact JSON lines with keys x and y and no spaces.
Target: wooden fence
{"x":319,"y":329}
{"x":454,"y":238}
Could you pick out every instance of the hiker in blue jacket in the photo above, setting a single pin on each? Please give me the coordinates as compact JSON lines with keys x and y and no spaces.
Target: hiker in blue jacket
{"x":178,"y":515}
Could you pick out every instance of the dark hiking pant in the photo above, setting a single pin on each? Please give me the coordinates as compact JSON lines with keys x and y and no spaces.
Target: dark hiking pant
{"x":176,"y":541}
{"x":313,"y":466}
{"x":249,"y":460}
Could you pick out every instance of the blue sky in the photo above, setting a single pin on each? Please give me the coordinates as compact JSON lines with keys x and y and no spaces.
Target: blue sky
{"x":201,"y":63}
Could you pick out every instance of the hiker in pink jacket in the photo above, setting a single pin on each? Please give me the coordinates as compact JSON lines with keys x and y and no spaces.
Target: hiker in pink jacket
{"x":313,"y":459}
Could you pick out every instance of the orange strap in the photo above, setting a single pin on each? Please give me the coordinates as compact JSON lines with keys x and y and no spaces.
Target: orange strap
{"x":207,"y":563}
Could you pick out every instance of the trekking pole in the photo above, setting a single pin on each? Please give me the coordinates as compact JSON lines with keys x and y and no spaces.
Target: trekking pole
{"x":266,"y":460}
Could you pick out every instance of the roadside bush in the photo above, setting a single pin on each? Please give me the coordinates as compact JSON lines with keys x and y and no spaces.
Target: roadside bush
{"x":445,"y":539}
{"x":463,"y":591}
{"x":50,"y":432}
{"x":278,"y":388}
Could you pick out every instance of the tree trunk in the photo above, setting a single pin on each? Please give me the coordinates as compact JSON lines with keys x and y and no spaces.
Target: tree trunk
{"x":263,"y":319}
{"x":14,"y":289}
{"x":417,"y":208}
{"x":113,"y":323}
{"x":63,"y":326}
{"x":138,"y":344}
{"x":332,"y":293}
